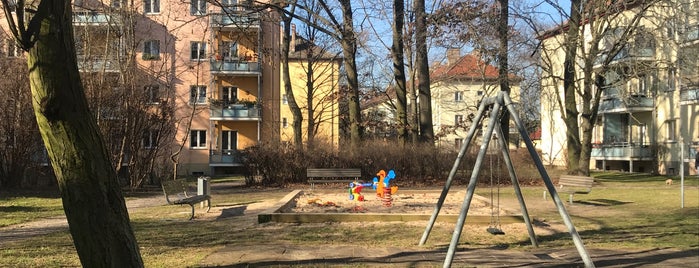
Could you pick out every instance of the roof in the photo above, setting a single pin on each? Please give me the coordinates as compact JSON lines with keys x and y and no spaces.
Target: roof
{"x":468,"y":66}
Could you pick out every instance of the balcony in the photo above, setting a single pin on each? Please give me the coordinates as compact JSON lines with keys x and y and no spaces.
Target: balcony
{"x":621,"y":150}
{"x":235,"y":20}
{"x":633,"y":103}
{"x":234,"y":112}
{"x":221,"y":67}
{"x":94,"y":18}
{"x":691,"y":34}
{"x":225,"y":158}
{"x":628,"y":55}
{"x":689,"y":94}
{"x":97,"y":64}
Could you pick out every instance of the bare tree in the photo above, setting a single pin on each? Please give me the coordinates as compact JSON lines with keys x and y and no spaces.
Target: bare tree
{"x":92,"y":200}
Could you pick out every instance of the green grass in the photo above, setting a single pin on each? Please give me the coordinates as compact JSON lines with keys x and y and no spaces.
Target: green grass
{"x":17,"y":209}
{"x":622,"y":211}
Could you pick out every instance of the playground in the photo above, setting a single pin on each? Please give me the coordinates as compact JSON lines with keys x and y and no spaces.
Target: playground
{"x":626,"y":220}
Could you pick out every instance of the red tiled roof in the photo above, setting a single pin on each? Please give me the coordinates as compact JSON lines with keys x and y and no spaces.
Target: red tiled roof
{"x":469,"y":66}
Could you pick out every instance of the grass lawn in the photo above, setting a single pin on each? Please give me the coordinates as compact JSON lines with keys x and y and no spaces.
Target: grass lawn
{"x":622,"y":211}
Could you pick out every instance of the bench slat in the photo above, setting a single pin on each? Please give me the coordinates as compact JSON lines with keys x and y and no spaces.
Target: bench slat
{"x":333,"y":172}
{"x":175,"y":189}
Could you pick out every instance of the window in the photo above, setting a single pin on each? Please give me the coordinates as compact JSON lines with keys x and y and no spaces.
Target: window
{"x":151,"y":6}
{"x":117,"y":3}
{"x":458,"y":119}
{"x":285,"y":122}
{"x":458,"y":142}
{"x":480,"y":93}
{"x":152,"y":94}
{"x":670,"y":130}
{"x":459,"y":96}
{"x":671,"y":82}
{"x":150,"y":139}
{"x":285,"y":99}
{"x":13,"y":50}
{"x":229,"y":140}
{"x":197,"y":7}
{"x":229,"y":94}
{"x":229,"y":50}
{"x":197,"y":139}
{"x":642,"y":87}
{"x":198,"y":50}
{"x":151,"y":50}
{"x":197,"y":94}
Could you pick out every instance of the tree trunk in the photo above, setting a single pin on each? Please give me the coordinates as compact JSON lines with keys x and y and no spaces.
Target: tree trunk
{"x":399,"y":70}
{"x":569,"y":95}
{"x":293,"y":106}
{"x":310,"y":89}
{"x":349,"y":51}
{"x":92,"y":200}
{"x":423,"y":73}
{"x":503,"y":68}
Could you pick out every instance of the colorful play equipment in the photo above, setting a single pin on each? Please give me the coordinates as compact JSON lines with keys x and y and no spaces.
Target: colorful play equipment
{"x":382,"y":185}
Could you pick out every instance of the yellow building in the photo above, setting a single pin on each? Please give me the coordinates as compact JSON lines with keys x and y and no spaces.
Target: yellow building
{"x":311,"y":65}
{"x":457,"y":90}
{"x":648,"y":112}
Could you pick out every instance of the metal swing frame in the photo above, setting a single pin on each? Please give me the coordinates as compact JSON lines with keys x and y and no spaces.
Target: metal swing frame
{"x":498,"y":103}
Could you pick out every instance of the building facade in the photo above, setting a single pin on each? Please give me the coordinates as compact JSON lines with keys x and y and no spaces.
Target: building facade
{"x":648,"y":115}
{"x":211,"y":69}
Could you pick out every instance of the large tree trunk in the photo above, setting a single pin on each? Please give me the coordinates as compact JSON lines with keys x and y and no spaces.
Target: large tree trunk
{"x":92,"y":200}
{"x":423,"y":73}
{"x":399,"y":70}
{"x":503,"y":68}
{"x":310,"y":89}
{"x":349,"y":51}
{"x":569,"y":95}
{"x":293,"y":106}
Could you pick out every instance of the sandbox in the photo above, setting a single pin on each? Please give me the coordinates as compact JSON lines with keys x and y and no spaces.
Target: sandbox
{"x":407,"y":205}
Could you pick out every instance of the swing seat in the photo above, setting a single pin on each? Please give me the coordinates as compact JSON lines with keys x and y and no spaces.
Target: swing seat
{"x":495,"y":231}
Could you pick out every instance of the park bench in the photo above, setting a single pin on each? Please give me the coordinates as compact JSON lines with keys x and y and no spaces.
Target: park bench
{"x":176,"y":194}
{"x":572,"y":184}
{"x":330,"y":175}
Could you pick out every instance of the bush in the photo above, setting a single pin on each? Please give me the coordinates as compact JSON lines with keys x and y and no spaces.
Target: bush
{"x":414,"y":164}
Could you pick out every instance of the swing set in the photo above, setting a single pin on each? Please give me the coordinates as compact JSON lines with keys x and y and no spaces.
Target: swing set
{"x":498,"y":105}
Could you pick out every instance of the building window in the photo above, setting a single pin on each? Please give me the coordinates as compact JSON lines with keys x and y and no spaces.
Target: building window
{"x":151,"y":6}
{"x":671,"y":136}
{"x":285,"y":123}
{"x":480,"y":93}
{"x":197,"y":7}
{"x":198,"y":51}
{"x":117,"y":3}
{"x":458,"y":119}
{"x":152,"y":94}
{"x":151,"y":50}
{"x":197,"y":139}
{"x":150,"y":139}
{"x":197,"y":94}
{"x":13,"y":50}
{"x":229,"y":94}
{"x":459,"y":96}
{"x":229,"y":140}
{"x":285,"y":99}
{"x":229,"y":50}
{"x":671,"y":82}
{"x":458,"y":142}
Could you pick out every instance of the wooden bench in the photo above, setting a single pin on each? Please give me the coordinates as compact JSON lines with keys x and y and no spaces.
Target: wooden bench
{"x":575,"y":185}
{"x":176,"y":194}
{"x":329,"y":175}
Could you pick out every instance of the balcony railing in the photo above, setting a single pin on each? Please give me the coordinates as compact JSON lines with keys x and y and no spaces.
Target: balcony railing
{"x":621,"y":150}
{"x":689,"y":94}
{"x":234,"y":112}
{"x":235,"y":67}
{"x":615,"y":104}
{"x":92,"y":18}
{"x":235,"y":20}
{"x":97,"y":64}
{"x":225,"y":157}
{"x":626,"y":54}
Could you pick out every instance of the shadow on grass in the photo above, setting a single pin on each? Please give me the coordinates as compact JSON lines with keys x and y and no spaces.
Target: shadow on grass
{"x":11,"y":209}
{"x":601,"y":202}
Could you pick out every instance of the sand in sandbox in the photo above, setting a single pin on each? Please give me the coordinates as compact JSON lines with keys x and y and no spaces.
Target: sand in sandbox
{"x":406,"y":202}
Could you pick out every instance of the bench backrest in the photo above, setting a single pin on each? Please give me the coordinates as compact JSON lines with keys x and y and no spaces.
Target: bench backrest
{"x":333,"y":172}
{"x":176,"y":187}
{"x":576,"y":181}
